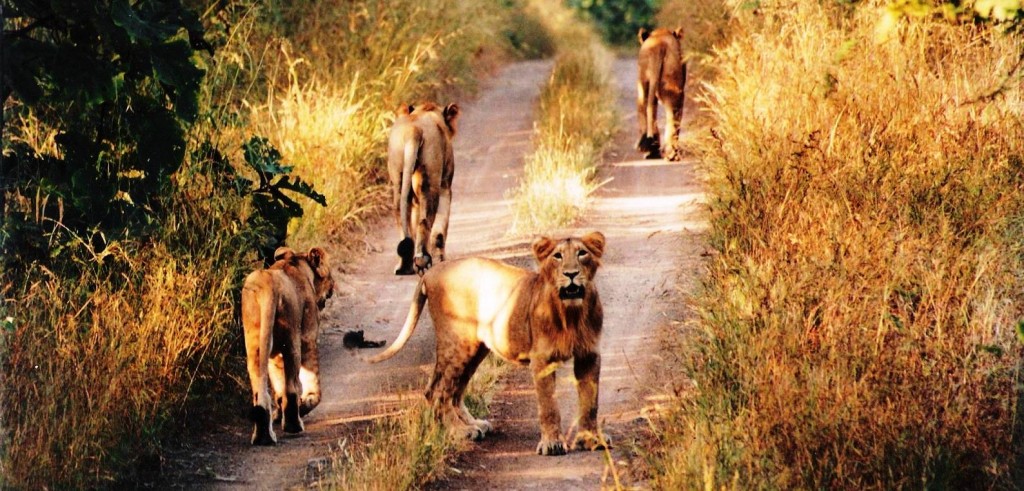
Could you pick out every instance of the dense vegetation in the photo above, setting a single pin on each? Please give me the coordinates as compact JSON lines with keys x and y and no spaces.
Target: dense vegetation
{"x":575,"y":120}
{"x":152,"y":151}
{"x":857,"y":327}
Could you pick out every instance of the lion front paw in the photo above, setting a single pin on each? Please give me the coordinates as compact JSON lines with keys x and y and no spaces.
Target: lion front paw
{"x":588,"y":440}
{"x":550,"y":447}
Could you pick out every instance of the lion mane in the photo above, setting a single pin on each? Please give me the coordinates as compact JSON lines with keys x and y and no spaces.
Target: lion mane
{"x":536,"y":319}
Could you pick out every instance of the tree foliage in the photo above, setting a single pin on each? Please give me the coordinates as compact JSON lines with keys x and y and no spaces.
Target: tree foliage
{"x":619,"y":20}
{"x":119,"y":82}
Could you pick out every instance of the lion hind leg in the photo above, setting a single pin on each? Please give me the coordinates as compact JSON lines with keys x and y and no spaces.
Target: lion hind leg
{"x":310,"y":391}
{"x":257,"y":319}
{"x":277,"y":385}
{"x":478,"y":427}
{"x":452,"y":372}
{"x":292,"y":357}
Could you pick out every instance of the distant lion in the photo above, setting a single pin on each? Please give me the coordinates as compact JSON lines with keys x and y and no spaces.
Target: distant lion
{"x":662,"y":77}
{"x":421,"y":164}
{"x":537,"y":319}
{"x":281,"y":319}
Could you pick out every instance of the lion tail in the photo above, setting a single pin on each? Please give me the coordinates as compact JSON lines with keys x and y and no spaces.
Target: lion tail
{"x":410,"y":154}
{"x":419,"y":299}
{"x":259,"y":309}
{"x":654,"y":70}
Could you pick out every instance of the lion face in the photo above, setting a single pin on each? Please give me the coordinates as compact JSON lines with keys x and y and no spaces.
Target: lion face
{"x":570,"y":264}
{"x":323,"y":281}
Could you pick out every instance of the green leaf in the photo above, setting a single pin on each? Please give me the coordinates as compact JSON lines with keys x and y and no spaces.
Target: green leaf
{"x":173,"y":65}
{"x":302,"y":188}
{"x":139,"y":29}
{"x":263,"y":157}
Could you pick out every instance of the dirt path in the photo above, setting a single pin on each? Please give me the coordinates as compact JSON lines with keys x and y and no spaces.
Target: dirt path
{"x":648,"y":214}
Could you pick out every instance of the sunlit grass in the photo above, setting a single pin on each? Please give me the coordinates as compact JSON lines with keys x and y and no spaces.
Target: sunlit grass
{"x":575,"y":121}
{"x":856,"y":325}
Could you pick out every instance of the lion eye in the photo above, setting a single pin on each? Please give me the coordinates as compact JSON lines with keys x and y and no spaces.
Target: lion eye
{"x":581,"y":253}
{"x":558,"y":256}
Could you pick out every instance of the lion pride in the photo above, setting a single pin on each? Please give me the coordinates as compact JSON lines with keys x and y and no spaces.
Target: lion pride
{"x":537,"y":319}
{"x":281,"y":320}
{"x":662,"y":76}
{"x":421,"y":165}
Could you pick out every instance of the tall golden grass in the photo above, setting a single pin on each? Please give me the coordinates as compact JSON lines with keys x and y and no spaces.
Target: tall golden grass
{"x":575,"y":120}
{"x":856,"y":328}
{"x":98,"y":356}
{"x":103,"y":355}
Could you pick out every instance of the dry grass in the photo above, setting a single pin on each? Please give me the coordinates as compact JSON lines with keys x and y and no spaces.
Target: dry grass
{"x":857,"y":325}
{"x":398,"y":453}
{"x":101,"y":356}
{"x":96,"y":363}
{"x":412,"y":440}
{"x":575,"y":121}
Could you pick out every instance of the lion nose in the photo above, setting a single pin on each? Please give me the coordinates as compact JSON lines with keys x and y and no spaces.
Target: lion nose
{"x":571,"y":274}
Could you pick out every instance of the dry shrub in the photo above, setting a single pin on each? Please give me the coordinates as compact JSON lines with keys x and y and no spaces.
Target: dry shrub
{"x":96,"y":363}
{"x":856,"y":327}
{"x":575,"y":121}
{"x":398,"y":452}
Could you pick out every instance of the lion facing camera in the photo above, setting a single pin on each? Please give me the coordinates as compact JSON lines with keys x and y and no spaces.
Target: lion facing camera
{"x":536,"y":319}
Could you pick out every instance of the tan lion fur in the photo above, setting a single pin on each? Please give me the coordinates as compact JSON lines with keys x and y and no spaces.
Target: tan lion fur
{"x":421,"y":165}
{"x":537,"y":319}
{"x":662,"y":77}
{"x":281,"y":321}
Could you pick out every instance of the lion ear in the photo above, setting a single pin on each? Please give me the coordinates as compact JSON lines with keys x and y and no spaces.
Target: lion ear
{"x":283,"y":252}
{"x":678,"y":33}
{"x":542,"y":248}
{"x":317,"y":258}
{"x":451,"y":113}
{"x":404,"y":110}
{"x":595,"y":243}
{"x":642,"y":35}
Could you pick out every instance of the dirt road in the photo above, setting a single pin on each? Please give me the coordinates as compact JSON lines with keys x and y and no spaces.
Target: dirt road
{"x":649,"y":213}
{"x":651,"y":216}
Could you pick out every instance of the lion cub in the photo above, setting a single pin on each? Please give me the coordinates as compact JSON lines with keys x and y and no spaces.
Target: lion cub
{"x":421,"y":165}
{"x":281,"y":319}
{"x":662,"y":76}
{"x":536,"y":319}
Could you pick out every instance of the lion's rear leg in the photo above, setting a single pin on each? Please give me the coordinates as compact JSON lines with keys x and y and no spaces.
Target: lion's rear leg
{"x":276,"y":371}
{"x":454,"y":368}
{"x":292,"y":358}
{"x":482,"y":425}
{"x":257,"y":347}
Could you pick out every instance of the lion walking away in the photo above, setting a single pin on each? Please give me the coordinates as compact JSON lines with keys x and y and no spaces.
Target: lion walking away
{"x":421,"y":165}
{"x":536,"y":319}
{"x":281,"y":320}
{"x":662,"y":77}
